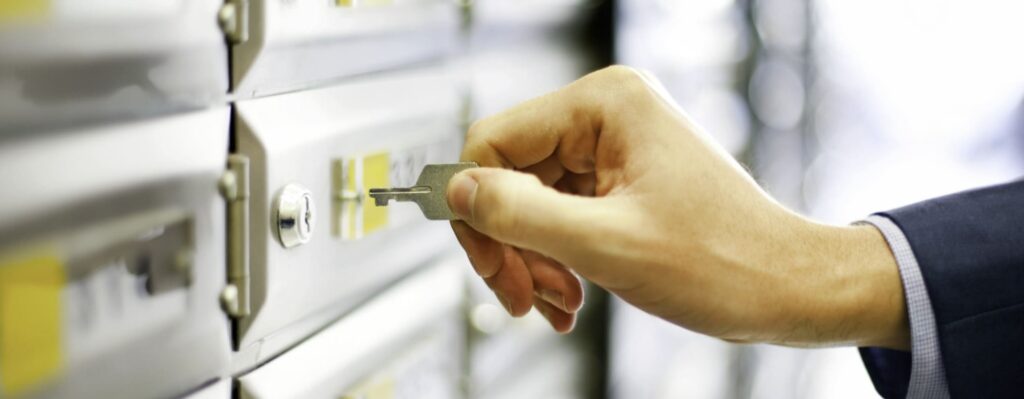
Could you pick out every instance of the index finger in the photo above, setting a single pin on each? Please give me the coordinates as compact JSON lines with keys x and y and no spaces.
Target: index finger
{"x":565,"y":123}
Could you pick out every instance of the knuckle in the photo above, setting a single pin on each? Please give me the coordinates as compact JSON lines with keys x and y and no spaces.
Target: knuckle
{"x":476,"y":147}
{"x":502,"y":215}
{"x":506,"y":222}
{"x":631,"y":85}
{"x":476,"y":129}
{"x":480,"y":145}
{"x":618,"y":76}
{"x":619,"y":72}
{"x":623,"y":85}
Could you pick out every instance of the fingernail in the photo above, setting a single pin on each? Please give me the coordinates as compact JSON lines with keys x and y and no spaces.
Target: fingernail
{"x":554,"y":298}
{"x":461,"y":195}
{"x":504,"y":302}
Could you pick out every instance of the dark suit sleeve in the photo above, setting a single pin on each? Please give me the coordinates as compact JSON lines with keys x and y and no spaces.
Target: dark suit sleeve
{"x":970,"y":250}
{"x":889,"y":371}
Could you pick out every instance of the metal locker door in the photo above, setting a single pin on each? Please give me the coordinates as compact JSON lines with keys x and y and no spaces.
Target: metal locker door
{"x":65,"y":63}
{"x":285,"y":45}
{"x":321,"y":150}
{"x":404,"y":343}
{"x":111,"y":259}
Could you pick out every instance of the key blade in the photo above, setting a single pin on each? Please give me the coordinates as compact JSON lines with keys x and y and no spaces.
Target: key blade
{"x":381,"y":196}
{"x":430,"y":192}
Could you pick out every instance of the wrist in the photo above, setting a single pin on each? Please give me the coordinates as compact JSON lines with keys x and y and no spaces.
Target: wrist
{"x":860,"y":292}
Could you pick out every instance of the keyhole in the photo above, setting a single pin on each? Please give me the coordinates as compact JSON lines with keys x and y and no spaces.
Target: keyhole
{"x":308,"y":214}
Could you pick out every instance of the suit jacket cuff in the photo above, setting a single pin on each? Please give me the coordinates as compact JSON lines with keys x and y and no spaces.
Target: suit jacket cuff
{"x":919,"y":374}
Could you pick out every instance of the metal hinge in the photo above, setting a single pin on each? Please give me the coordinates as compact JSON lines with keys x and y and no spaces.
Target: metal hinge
{"x":234,"y":20}
{"x":234,"y":186}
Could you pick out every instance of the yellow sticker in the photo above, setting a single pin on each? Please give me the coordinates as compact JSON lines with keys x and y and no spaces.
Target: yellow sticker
{"x":376,"y":173}
{"x":362,"y":3}
{"x":30,"y":321}
{"x":23,"y":10}
{"x":352,"y":208}
{"x":344,"y":208}
{"x":378,"y":387}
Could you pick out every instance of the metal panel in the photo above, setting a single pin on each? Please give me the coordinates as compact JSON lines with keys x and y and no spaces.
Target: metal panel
{"x":330,"y":141}
{"x":407,"y":341}
{"x":220,"y":389}
{"x":299,"y":44}
{"x":527,"y":16}
{"x":63,"y":63}
{"x":126,"y":223}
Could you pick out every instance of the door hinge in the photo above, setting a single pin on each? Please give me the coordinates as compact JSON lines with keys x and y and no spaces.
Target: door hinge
{"x":234,"y":20}
{"x":234,"y":186}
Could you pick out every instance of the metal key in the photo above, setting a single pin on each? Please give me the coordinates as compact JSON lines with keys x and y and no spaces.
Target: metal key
{"x":429,"y":192}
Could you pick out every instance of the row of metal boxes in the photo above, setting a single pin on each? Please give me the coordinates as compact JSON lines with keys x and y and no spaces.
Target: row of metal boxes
{"x":163,"y":234}
{"x":65,"y":63}
{"x":118,"y":234}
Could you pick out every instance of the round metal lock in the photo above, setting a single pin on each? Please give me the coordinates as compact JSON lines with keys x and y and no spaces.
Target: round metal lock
{"x":293,"y":215}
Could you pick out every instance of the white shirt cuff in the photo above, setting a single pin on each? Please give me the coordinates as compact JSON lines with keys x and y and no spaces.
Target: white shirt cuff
{"x":927,"y":374}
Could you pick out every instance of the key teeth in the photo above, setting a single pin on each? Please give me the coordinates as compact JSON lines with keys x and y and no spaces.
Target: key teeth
{"x":428,"y":193}
{"x":379,"y":199}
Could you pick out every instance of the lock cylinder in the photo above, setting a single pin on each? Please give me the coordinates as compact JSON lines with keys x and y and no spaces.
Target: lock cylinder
{"x":293,"y":215}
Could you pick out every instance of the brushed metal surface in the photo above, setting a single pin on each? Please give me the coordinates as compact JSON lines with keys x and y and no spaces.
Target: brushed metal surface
{"x":294,"y":45}
{"x":296,"y":138}
{"x":133,"y":210}
{"x":93,"y":62}
{"x":372,"y":338}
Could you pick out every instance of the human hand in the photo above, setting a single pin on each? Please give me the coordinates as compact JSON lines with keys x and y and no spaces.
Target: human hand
{"x":608,"y":178}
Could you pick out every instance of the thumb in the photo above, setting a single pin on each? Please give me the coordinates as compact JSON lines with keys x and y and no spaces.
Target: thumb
{"x":517,"y":209}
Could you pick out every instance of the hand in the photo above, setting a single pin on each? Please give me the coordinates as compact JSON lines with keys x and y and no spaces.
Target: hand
{"x":609,"y":179}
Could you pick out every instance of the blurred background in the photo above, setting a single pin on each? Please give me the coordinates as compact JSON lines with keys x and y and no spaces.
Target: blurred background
{"x":184,"y":209}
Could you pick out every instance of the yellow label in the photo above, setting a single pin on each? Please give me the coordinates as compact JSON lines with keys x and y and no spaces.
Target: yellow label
{"x":351,"y":208}
{"x":376,"y":173}
{"x":30,"y":321}
{"x":376,"y":388}
{"x":344,"y":207}
{"x":30,"y":10}
{"x":355,"y":3}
